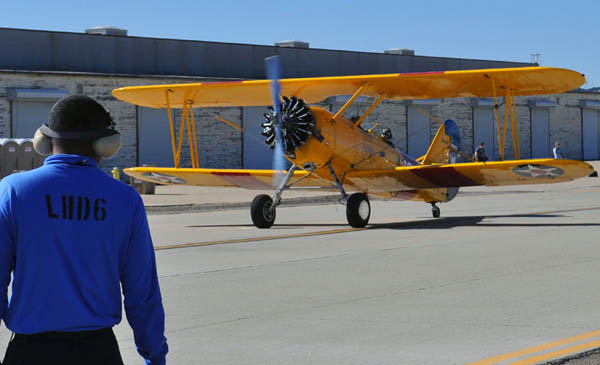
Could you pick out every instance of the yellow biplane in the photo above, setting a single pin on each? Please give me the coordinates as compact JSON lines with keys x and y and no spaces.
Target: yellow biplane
{"x":329,"y":151}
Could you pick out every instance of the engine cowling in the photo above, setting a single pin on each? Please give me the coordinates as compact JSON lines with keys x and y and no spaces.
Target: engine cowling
{"x":297,"y":125}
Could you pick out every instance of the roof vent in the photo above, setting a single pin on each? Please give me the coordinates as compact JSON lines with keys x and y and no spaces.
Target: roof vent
{"x":400,"y":51}
{"x":107,"y":30}
{"x":292,"y":44}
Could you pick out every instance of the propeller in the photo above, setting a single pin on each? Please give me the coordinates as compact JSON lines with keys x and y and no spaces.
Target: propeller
{"x":273,"y":67}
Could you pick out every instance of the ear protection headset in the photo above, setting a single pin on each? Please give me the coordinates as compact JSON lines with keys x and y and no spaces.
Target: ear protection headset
{"x":104,"y":142}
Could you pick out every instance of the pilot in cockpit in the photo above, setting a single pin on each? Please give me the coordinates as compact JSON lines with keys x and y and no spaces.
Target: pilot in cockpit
{"x":386,"y":135}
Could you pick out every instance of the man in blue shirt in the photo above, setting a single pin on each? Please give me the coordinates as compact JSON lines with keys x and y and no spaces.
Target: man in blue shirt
{"x":73,"y":237}
{"x":480,"y":155}
{"x":556,"y":151}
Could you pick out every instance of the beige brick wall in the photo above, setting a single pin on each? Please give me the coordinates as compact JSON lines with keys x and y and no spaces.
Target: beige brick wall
{"x":219,"y":145}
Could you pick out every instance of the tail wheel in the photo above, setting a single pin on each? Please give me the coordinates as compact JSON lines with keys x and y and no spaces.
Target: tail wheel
{"x":358,"y":210}
{"x":262,"y":211}
{"x":435,"y":211}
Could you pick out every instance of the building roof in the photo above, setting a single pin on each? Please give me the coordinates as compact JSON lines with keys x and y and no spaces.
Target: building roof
{"x":35,"y":50}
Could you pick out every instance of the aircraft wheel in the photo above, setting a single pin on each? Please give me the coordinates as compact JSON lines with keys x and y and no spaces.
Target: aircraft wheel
{"x":435,"y":211}
{"x":262,"y":211}
{"x":358,"y":210}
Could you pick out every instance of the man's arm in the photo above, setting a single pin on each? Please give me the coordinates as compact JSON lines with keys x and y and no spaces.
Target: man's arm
{"x":7,"y":247}
{"x":143,"y":302}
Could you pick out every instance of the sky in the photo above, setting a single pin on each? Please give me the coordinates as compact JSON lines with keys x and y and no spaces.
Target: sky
{"x":565,"y":33}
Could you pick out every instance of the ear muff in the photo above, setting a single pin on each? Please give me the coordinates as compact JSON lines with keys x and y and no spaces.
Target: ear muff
{"x":104,"y":142}
{"x":106,"y":147}
{"x":42,"y":144}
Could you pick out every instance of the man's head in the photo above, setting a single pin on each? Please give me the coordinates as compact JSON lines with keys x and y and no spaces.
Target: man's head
{"x":77,"y":113}
{"x":482,"y":144}
{"x":78,"y":125}
{"x":557,"y":144}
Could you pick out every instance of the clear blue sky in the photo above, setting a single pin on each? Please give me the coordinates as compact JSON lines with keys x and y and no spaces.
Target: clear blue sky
{"x":566,"y":33}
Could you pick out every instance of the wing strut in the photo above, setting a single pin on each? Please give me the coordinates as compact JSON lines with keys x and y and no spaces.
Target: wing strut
{"x":497,"y":115}
{"x":181,"y":131}
{"x":510,"y":111}
{"x":514,"y":128}
{"x":351,"y":100}
{"x":171,"y":127}
{"x":365,"y":114}
{"x":187,"y":123}
{"x":194,"y":152}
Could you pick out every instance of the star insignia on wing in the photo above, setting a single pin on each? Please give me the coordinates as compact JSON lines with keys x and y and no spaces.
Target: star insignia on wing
{"x":164,"y":178}
{"x":538,"y":171}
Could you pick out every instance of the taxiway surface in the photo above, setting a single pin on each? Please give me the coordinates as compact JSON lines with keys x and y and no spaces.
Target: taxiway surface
{"x":504,"y":269}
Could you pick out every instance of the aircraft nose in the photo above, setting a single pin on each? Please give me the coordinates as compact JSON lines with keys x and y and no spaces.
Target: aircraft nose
{"x":297,"y":125}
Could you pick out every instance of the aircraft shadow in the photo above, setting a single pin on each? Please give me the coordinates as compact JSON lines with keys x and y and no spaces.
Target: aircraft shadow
{"x":471,"y":221}
{"x":432,"y":223}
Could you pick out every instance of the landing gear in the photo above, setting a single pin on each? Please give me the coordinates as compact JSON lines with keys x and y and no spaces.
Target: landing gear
{"x":263,"y":207}
{"x":262,"y":211}
{"x":358,"y":210}
{"x":435,"y":211}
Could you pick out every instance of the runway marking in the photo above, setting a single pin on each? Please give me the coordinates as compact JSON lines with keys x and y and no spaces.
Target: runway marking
{"x":560,"y":353}
{"x":344,"y":230}
{"x":547,"y":346}
{"x":263,"y":238}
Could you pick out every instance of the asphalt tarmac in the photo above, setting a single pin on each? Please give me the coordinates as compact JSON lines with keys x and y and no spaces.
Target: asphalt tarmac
{"x":504,"y":269}
{"x":505,"y":274}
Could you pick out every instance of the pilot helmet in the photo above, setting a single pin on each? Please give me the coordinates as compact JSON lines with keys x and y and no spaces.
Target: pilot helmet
{"x":386,"y":134}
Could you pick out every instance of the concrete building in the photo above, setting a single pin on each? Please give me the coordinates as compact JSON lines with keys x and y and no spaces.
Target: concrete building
{"x":39,"y":67}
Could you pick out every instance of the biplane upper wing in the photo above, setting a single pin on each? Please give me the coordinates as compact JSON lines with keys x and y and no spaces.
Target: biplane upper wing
{"x":496,"y":173}
{"x":424,"y":85}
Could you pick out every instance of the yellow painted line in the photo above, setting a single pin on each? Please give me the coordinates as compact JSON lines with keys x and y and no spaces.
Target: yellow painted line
{"x":538,"y":348}
{"x":560,"y":353}
{"x":263,"y":238}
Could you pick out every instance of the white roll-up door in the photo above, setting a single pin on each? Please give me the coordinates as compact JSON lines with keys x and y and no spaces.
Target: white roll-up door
{"x":590,"y":134}
{"x":418,"y":131}
{"x":154,"y":137}
{"x":540,"y":133}
{"x":31,"y":108}
{"x":483,"y":129}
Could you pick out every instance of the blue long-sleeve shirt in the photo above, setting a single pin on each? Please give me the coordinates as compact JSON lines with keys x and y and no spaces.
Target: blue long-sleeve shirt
{"x":72,"y":236}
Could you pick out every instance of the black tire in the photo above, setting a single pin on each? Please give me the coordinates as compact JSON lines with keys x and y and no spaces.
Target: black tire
{"x":358,"y":210}
{"x":435,"y":211}
{"x":261,"y":211}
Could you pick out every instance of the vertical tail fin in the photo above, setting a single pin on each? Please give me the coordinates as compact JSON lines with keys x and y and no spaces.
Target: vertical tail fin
{"x":446,"y":139}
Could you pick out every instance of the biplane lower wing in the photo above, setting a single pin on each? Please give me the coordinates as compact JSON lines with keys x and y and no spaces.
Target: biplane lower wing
{"x":496,"y":173}
{"x":246,"y":179}
{"x":516,"y":172}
